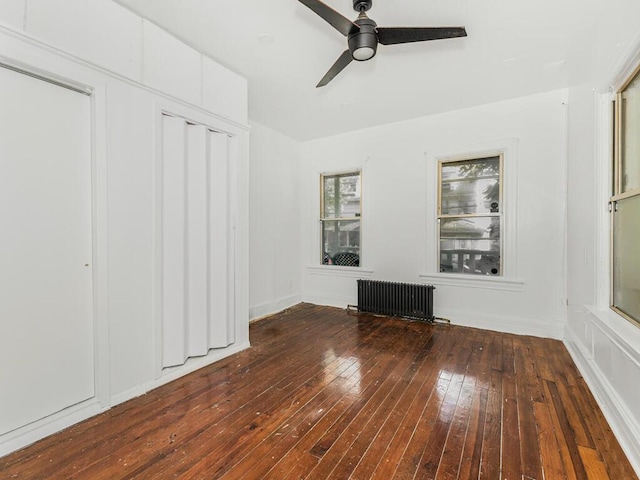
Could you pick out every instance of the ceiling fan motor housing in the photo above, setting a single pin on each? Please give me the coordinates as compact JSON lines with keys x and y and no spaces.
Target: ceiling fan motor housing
{"x":364,"y":39}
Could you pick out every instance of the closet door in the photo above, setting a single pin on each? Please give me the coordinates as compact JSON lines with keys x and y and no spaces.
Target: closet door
{"x":46,"y":324}
{"x":196,"y":271}
{"x":220,"y":261}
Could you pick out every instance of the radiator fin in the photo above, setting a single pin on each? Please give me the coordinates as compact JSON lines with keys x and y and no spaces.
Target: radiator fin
{"x":396,"y":299}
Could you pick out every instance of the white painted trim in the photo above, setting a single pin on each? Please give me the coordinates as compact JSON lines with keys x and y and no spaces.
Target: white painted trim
{"x":31,"y":41}
{"x":622,"y":422}
{"x":49,"y":425}
{"x":473,"y":281}
{"x":505,"y":323}
{"x":339,"y":271}
{"x":626,"y":66}
{"x":274,"y":306}
{"x":174,"y":373}
{"x":321,"y":298}
{"x":99,"y":216}
{"x":603,"y":175}
{"x":613,"y":326}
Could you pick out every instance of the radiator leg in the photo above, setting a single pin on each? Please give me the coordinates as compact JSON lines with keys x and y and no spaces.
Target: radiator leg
{"x":445,"y":321}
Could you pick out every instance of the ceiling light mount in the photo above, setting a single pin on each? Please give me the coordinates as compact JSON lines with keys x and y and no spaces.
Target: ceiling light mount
{"x":362,"y":5}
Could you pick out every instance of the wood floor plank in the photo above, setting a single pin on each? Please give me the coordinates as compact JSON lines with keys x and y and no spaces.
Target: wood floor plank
{"x":593,"y":463}
{"x":448,"y":464}
{"x":566,"y":440}
{"x":463,"y":426}
{"x":490,"y":465}
{"x":528,"y":391}
{"x":549,"y":450}
{"x":471,"y":456}
{"x":325,"y":393}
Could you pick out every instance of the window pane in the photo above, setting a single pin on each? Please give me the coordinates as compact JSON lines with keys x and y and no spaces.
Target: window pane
{"x":341,"y":196}
{"x":341,"y":242}
{"x":630,"y":178}
{"x":471,"y":186}
{"x":626,"y":261}
{"x":470,"y":245}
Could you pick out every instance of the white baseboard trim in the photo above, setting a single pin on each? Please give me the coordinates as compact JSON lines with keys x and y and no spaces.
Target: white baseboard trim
{"x":275,"y":306}
{"x":506,"y":323}
{"x":499,"y":323}
{"x":173,"y":373}
{"x":622,"y":422}
{"x":24,"y":436}
{"x":318,"y":298}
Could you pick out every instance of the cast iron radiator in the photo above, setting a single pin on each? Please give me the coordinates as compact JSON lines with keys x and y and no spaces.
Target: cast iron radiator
{"x":396,"y":299}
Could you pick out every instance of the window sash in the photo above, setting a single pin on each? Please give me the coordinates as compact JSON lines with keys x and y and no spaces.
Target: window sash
{"x":472,"y":261}
{"x":341,"y":231}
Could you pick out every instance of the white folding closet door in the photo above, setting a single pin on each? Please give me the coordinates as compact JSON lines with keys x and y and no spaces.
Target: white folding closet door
{"x":220,"y":270}
{"x":46,"y":319}
{"x":196,"y":272}
{"x":174,"y":148}
{"x":198,"y":238}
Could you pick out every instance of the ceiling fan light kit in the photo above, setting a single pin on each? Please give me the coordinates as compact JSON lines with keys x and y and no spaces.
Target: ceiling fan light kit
{"x":363,"y":42}
{"x":363,"y":34}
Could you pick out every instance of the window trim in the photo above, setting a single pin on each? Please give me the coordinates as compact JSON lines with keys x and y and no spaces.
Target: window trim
{"x":509,"y":280}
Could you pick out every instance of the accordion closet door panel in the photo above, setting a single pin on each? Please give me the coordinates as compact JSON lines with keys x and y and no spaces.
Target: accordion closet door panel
{"x":196,"y":267}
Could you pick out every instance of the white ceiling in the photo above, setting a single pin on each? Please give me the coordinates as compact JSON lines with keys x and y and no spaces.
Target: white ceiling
{"x":513,"y":48}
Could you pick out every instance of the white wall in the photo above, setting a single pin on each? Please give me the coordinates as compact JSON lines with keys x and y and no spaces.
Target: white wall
{"x":398,"y":231}
{"x":275,"y":280}
{"x":605,"y":347}
{"x":129,"y":65}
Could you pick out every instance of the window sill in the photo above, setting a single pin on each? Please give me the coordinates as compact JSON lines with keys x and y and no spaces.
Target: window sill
{"x":472,"y":281}
{"x":337,"y":271}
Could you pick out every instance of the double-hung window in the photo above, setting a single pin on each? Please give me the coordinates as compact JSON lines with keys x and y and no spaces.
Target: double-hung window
{"x":340,"y":208}
{"x":470,"y":216}
{"x":625,"y":203}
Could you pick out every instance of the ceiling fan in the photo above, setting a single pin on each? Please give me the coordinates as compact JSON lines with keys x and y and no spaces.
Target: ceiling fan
{"x":363,"y":34}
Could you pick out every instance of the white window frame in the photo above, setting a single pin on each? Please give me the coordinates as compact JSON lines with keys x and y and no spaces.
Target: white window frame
{"x":614,"y":179}
{"x":509,"y":279}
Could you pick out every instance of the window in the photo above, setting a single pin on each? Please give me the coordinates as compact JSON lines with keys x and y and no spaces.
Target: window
{"x":470,"y":216}
{"x":340,"y":208}
{"x":625,"y":203}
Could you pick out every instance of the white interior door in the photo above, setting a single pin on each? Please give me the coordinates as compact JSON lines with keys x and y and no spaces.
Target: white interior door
{"x":46,"y":323}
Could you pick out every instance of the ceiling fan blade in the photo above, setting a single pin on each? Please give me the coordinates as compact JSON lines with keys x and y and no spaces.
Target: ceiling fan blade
{"x":336,"y":68}
{"x":393,"y":35}
{"x":337,"y":21}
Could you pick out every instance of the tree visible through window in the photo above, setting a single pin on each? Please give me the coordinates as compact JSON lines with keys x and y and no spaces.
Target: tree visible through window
{"x":470,"y":216}
{"x":340,"y":218}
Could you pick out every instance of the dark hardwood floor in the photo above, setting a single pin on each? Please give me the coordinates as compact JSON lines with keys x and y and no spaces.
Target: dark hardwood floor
{"x":328,"y":394}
